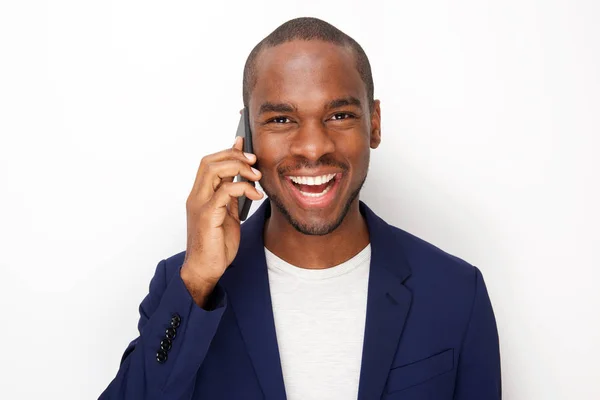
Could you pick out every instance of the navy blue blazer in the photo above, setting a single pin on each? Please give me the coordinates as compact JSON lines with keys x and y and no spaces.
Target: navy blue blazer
{"x":430,"y":330}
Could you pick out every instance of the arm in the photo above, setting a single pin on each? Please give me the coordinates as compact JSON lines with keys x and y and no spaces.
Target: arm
{"x":213,"y":228}
{"x":141,"y":375}
{"x":478,"y":375}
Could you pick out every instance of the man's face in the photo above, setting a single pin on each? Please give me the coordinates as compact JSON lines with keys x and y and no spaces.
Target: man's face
{"x":312,"y":131}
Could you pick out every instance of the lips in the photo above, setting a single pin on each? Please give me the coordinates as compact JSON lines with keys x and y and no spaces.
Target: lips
{"x":311,"y":192}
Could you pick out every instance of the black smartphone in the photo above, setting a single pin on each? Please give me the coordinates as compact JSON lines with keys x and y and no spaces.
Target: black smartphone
{"x":243,"y":130}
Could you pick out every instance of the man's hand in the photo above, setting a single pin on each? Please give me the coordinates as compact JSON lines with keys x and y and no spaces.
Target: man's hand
{"x":213,"y":226}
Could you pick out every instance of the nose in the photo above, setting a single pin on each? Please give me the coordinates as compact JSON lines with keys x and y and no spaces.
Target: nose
{"x":311,"y":141}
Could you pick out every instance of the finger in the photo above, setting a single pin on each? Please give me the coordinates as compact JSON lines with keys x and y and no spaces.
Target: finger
{"x":232,"y":209}
{"x":237,"y":145}
{"x":223,"y":172}
{"x":231,"y":190}
{"x":233,"y":153}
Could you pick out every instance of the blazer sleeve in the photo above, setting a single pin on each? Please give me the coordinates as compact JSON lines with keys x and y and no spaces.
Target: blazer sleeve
{"x":141,"y":375}
{"x":478,"y":375}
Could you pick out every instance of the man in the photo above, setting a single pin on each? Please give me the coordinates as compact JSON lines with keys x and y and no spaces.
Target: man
{"x":314,"y":297}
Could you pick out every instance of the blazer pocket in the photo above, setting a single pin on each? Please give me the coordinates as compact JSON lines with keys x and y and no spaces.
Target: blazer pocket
{"x":420,"y":371}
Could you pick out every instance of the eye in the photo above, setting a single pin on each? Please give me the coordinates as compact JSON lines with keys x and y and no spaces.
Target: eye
{"x":341,"y":116}
{"x":280,"y":120}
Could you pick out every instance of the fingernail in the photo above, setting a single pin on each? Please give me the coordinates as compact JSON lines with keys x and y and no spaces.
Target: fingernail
{"x":256,"y":172}
{"x":249,"y":156}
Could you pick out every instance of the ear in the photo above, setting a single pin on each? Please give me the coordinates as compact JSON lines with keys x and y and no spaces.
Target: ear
{"x":375,"y":125}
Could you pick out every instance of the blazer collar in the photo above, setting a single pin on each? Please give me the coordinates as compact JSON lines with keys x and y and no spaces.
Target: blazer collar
{"x":388,"y":301}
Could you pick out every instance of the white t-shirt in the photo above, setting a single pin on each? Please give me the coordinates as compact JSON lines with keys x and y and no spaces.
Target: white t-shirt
{"x":320,"y":323}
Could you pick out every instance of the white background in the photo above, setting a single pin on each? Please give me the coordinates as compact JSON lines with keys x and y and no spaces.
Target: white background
{"x":490,"y":151}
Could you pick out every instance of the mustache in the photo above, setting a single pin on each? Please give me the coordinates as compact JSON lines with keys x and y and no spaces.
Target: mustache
{"x":307,"y":164}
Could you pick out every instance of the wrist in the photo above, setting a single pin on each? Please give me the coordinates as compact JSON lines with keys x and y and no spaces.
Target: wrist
{"x":199,"y":287}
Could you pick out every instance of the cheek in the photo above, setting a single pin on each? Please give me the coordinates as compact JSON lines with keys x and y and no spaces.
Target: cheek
{"x":356,"y":147}
{"x":358,"y":155}
{"x":268,"y":151}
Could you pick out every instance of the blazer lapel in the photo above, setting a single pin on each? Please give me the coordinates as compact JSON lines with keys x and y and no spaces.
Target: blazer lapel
{"x":388,"y":302}
{"x":247,"y":285}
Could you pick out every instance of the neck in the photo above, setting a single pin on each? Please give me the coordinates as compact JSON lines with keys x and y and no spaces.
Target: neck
{"x":316,"y":252}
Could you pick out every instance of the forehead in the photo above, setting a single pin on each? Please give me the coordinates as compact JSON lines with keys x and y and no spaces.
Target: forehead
{"x":307,"y":74}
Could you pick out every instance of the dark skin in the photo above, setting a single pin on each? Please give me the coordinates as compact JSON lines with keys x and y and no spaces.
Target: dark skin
{"x":310,"y":114}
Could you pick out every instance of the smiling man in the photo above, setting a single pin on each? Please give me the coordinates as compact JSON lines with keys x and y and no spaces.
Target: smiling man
{"x":314,"y":297}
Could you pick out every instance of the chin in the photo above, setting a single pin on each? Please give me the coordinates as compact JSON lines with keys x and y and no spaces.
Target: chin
{"x":314,"y":222}
{"x":317,"y":226}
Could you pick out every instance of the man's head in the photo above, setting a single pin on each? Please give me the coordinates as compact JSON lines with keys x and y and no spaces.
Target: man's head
{"x":308,"y":29}
{"x":309,"y":91}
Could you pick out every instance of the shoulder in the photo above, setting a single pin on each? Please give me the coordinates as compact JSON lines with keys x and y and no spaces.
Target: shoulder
{"x":423,"y":254}
{"x":434,"y":268}
{"x":443,"y":286}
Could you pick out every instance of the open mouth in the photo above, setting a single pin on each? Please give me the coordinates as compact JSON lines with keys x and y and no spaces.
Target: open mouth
{"x":313,"y":186}
{"x":311,"y":191}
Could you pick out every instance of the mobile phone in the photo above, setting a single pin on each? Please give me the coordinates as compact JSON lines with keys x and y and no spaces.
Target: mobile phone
{"x":243,"y":130}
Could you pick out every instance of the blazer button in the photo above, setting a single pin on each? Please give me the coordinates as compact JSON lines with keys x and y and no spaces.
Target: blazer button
{"x":176,"y":321}
{"x":170,"y":333}
{"x":161,"y":356}
{"x":165,"y":344}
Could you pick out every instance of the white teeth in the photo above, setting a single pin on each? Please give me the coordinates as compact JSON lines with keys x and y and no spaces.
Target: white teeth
{"x":312,"y":180}
{"x":327,"y":189}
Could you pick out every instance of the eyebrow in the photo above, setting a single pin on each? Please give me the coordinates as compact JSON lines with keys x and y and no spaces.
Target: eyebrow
{"x":276,"y":107}
{"x":343,"y":102}
{"x":288,"y":108}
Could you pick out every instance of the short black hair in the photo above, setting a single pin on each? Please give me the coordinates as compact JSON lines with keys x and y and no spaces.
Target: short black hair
{"x":307,"y":28}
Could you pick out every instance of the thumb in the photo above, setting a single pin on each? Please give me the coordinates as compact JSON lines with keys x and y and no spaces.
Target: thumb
{"x":232,"y":209}
{"x":239,"y":143}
